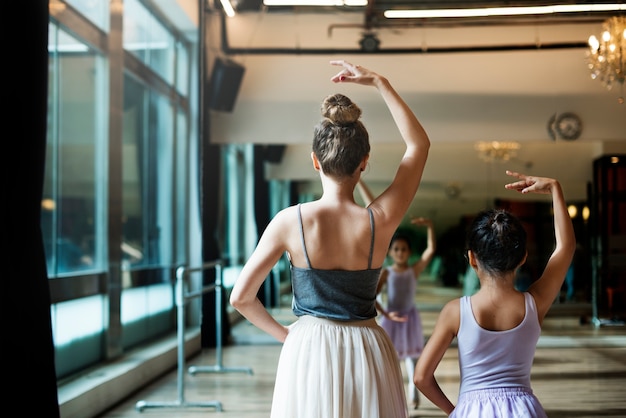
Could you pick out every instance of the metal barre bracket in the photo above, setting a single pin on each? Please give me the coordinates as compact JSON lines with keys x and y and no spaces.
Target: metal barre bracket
{"x":218,"y":369}
{"x":181,"y":298}
{"x":141,"y":405}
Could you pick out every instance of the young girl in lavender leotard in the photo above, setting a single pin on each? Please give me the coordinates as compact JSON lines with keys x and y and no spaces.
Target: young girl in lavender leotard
{"x":401,"y":317}
{"x":498,"y":327}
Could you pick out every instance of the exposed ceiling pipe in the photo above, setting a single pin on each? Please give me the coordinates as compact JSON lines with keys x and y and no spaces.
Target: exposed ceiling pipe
{"x":370,"y":15}
{"x":228,"y":50}
{"x":442,"y":23}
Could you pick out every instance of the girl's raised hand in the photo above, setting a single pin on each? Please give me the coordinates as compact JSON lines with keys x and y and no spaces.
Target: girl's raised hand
{"x":530,"y":184}
{"x":421,"y":221}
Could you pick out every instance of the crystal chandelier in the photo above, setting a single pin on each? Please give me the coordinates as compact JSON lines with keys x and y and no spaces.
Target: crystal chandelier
{"x":497,"y":150}
{"x":606,"y":57}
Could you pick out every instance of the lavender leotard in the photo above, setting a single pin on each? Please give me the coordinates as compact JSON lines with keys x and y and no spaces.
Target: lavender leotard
{"x":407,"y":337}
{"x":495,"y":367}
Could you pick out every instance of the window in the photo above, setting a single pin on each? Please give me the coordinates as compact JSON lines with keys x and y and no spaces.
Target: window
{"x":72,"y":222}
{"x":94,"y":10}
{"x":149,"y":40}
{"x":147,"y":176}
{"x":128,"y":185}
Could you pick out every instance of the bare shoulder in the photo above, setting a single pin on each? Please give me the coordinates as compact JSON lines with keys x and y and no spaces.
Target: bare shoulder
{"x":285,"y":217}
{"x":543,"y":301}
{"x":282,"y":226}
{"x":450,"y":316}
{"x":452,"y":307}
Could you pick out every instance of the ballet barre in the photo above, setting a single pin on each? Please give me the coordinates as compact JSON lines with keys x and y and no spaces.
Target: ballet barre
{"x":218,"y":367}
{"x":182,"y":296}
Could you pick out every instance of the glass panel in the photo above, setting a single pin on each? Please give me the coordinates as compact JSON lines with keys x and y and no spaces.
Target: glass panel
{"x":182,"y":68}
{"x":233,"y":176}
{"x":77,"y":318}
{"x":146,"y":312}
{"x":78,"y":332}
{"x":182,"y":190}
{"x":94,"y":10}
{"x":74,"y":161}
{"x":162,"y":51}
{"x":148,"y":39}
{"x":133,"y":131}
{"x":147,"y":176}
{"x":135,"y":103}
{"x":161,"y":173}
{"x":135,"y":32}
{"x":144,"y":301}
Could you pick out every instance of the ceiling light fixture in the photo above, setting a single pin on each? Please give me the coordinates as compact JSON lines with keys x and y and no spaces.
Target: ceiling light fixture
{"x":606,"y":57}
{"x":228,"y":8}
{"x":315,"y":2}
{"x":499,"y":151}
{"x":502,"y":11}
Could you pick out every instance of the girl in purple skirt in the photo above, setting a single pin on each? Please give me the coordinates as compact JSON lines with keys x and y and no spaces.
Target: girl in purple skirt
{"x":401,"y":318}
{"x":498,"y":327}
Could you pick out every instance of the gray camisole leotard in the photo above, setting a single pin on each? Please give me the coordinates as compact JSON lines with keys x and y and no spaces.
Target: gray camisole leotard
{"x":344,"y":295}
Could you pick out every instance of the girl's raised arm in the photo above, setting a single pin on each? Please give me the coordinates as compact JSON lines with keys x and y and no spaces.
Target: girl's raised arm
{"x":547,"y":287}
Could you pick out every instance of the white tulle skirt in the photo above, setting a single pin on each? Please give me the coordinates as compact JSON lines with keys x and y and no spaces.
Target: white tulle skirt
{"x":336,"y":369}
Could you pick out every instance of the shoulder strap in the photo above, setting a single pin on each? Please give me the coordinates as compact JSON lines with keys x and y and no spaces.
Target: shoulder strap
{"x":306,"y":255}
{"x":530,"y":305}
{"x":369,"y":262}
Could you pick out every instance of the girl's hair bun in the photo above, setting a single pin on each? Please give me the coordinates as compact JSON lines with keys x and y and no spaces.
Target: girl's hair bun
{"x":340,"y":109}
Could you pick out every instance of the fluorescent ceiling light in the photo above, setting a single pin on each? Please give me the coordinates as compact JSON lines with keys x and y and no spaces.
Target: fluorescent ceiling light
{"x":228,"y":8}
{"x":502,"y":11}
{"x":315,"y":2}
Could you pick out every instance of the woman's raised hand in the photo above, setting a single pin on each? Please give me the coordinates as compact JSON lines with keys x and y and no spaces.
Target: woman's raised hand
{"x":353,"y":74}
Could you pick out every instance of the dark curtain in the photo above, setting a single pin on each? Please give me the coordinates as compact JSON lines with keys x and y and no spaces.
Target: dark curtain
{"x":27,"y":346}
{"x":211,"y":177}
{"x":262,"y":154}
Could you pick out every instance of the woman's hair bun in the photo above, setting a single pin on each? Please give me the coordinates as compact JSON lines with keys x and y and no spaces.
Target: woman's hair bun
{"x":340,"y":109}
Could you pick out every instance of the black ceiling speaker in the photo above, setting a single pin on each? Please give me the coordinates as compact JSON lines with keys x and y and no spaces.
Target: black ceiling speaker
{"x":224,"y":85}
{"x":369,"y":42}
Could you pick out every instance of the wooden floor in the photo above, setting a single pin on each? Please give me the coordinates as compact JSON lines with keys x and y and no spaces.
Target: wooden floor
{"x":579,"y":372}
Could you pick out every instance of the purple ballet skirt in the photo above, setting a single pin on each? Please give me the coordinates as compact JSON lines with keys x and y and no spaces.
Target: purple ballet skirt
{"x":407,"y":337}
{"x":514,"y":402}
